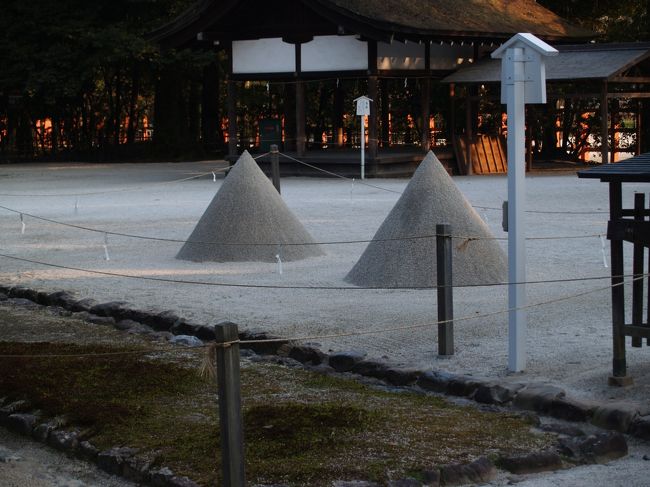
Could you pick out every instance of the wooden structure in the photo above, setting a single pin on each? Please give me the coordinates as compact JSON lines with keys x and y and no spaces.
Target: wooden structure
{"x":626,"y":224}
{"x":295,"y":41}
{"x":606,"y":72}
{"x":484,"y":154}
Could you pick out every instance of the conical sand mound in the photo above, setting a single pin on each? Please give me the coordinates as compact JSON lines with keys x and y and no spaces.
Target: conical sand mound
{"x":247,"y":210}
{"x":431,"y":197}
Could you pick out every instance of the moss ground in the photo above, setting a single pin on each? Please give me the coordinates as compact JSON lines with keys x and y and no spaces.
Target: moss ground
{"x":301,"y":428}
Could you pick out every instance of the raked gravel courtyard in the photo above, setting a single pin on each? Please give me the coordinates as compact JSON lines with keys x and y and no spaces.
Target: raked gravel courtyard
{"x":569,"y":340}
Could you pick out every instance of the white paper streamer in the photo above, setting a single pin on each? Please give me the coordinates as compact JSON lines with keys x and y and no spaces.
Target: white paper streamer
{"x":214,"y":177}
{"x":22,"y":223}
{"x":602,"y":249}
{"x":279,"y":260}
{"x":106,"y":256}
{"x":406,"y":82}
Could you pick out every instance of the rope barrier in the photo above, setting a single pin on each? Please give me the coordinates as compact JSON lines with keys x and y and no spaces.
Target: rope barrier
{"x":399,"y":192}
{"x":264,"y":244}
{"x":123,"y":190}
{"x":324,"y":171}
{"x":319,"y":288}
{"x":356,"y":333}
{"x":548,"y":212}
{"x":340,"y":176}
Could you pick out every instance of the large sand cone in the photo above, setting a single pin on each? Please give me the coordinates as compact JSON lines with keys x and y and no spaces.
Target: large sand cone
{"x":247,"y":209}
{"x":431,"y":197}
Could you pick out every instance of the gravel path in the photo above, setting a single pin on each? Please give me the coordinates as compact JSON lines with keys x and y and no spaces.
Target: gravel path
{"x":569,"y":341}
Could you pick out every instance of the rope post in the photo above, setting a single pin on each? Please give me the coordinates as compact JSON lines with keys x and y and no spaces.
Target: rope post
{"x":275,"y":167}
{"x":445,"y":290}
{"x":230,"y":415}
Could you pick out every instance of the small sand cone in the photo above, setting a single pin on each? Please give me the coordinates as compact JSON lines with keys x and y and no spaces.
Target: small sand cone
{"x":247,"y":209}
{"x":431,"y":197}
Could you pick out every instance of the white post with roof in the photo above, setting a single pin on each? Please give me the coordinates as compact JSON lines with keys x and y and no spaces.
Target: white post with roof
{"x":363,"y":110}
{"x":523,"y":80}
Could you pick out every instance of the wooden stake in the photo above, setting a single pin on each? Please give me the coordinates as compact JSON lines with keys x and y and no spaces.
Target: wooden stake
{"x":230,"y":415}
{"x":445,"y":290}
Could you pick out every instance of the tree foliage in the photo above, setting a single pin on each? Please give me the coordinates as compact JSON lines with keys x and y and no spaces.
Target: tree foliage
{"x":80,"y":75}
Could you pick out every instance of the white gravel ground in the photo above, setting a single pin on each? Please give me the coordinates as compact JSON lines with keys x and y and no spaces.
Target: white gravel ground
{"x":569,"y":341}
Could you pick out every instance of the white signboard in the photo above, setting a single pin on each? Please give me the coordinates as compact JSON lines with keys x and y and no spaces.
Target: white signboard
{"x":263,"y":56}
{"x":334,"y":53}
{"x":363,"y":105}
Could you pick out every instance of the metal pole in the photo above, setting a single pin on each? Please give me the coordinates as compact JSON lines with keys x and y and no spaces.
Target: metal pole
{"x":445,"y":290}
{"x":516,"y":212}
{"x":230,"y":416}
{"x":363,"y":147}
{"x":275,"y":167}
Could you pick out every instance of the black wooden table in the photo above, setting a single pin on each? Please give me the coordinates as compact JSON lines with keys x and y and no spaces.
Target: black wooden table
{"x":626,"y":225}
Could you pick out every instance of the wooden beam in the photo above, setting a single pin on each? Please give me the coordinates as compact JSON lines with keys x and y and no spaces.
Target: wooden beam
{"x":630,"y":79}
{"x":634,"y":231}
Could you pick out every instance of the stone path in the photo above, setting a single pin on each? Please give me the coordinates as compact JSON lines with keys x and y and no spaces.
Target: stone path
{"x":24,"y":462}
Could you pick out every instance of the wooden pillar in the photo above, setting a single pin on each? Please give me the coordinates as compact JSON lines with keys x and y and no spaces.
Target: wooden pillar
{"x":613,"y":113}
{"x":289,"y":117}
{"x":469,"y":129}
{"x":637,"y":270}
{"x":300,"y":105}
{"x":639,"y":126}
{"x":529,"y":146}
{"x":232,"y":119}
{"x":339,"y":110}
{"x":372,"y":119}
{"x":210,"y":126}
{"x":604,"y":114}
{"x":385,"y":112}
{"x":300,"y":118}
{"x":425,"y":100}
{"x":619,"y":366}
{"x":373,"y":86}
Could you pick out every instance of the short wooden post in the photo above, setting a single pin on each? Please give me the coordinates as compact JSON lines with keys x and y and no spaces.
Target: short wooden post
{"x":230,"y":416}
{"x":637,"y":270}
{"x":445,"y":290}
{"x":275,"y":166}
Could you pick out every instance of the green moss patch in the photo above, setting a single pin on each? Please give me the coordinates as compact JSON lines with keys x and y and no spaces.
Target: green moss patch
{"x":300,"y":427}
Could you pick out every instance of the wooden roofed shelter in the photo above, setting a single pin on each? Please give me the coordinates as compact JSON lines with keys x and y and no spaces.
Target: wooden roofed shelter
{"x":298,"y":41}
{"x":608,"y":73}
{"x":627,"y":224}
